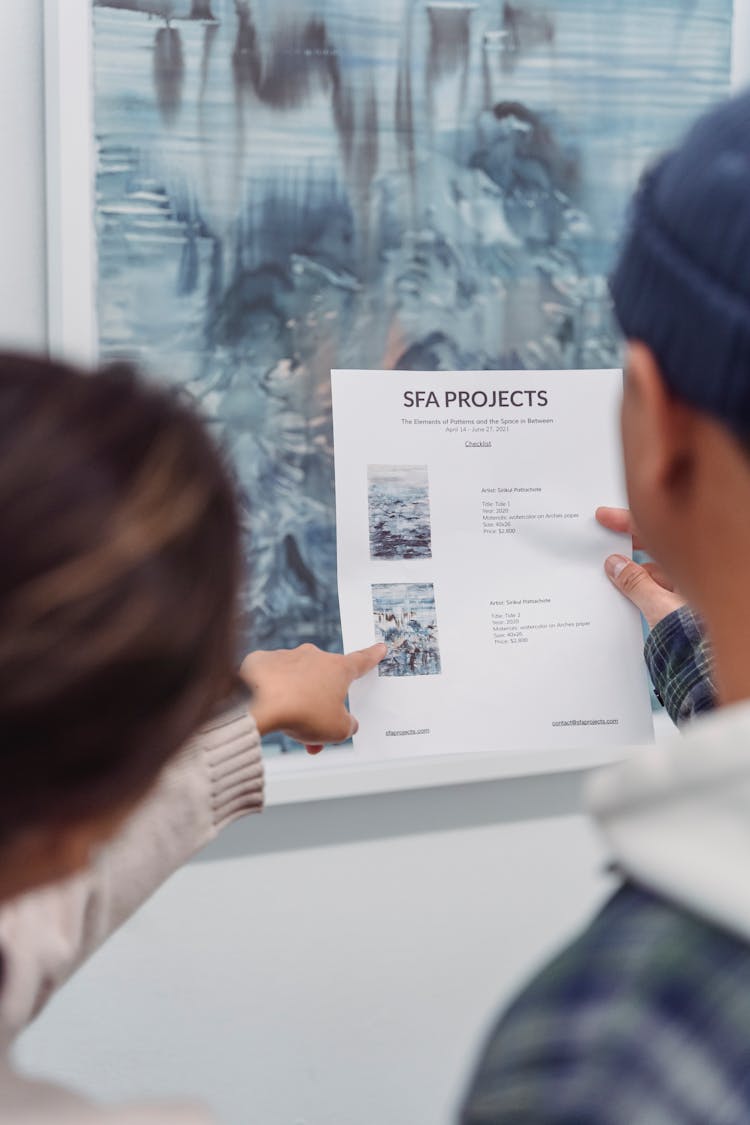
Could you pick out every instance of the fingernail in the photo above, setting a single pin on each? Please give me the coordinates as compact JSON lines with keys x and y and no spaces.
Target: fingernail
{"x":313,"y":749}
{"x":615,"y":565}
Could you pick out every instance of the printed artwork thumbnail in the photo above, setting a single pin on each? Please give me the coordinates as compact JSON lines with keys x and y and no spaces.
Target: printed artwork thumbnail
{"x":399,"y":512}
{"x":406,"y":619}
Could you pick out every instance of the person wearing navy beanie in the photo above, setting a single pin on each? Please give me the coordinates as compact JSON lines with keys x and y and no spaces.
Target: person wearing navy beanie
{"x":682,"y":283}
{"x":645,"y":1018}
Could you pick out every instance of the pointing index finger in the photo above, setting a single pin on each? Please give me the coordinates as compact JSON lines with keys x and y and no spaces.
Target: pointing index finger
{"x":362,"y":661}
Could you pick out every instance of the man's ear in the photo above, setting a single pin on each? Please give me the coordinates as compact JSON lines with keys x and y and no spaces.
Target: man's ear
{"x":658,"y":428}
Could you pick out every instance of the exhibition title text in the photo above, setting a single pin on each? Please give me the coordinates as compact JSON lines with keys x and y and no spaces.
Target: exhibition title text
{"x":476,"y":399}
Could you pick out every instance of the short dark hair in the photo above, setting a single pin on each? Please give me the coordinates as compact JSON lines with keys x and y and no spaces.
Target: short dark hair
{"x":119,"y":575}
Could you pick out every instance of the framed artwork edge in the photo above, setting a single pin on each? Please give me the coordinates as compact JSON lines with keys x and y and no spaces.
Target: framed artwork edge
{"x":72,"y":335}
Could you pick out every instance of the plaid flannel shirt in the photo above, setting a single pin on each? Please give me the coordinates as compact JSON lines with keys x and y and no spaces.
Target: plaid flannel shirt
{"x":678,"y":657}
{"x":645,"y":1019}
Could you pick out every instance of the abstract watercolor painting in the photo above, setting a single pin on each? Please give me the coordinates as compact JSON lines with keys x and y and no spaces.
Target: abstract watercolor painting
{"x":406,"y":619}
{"x":288,"y":186}
{"x":398,"y":510}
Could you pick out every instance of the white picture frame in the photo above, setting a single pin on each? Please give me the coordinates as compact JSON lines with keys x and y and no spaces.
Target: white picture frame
{"x":71,"y":277}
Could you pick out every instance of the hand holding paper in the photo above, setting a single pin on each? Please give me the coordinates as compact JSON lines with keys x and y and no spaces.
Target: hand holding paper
{"x":647,"y":586}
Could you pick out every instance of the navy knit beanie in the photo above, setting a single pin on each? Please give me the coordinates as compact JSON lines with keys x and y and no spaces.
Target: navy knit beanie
{"x":682,"y":284}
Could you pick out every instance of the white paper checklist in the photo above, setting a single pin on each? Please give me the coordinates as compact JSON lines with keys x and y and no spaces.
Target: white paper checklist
{"x":467,"y":541}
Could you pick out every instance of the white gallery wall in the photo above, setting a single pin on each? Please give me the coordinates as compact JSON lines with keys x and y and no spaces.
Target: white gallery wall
{"x":324,"y":964}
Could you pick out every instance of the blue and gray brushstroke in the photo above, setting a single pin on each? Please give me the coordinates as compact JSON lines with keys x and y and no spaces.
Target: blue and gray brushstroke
{"x":287,"y":186}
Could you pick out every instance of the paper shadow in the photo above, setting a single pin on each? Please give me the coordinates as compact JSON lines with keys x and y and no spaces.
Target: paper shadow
{"x":357,"y":819}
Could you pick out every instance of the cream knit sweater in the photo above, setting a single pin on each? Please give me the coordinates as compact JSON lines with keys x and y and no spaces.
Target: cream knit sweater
{"x":45,"y":936}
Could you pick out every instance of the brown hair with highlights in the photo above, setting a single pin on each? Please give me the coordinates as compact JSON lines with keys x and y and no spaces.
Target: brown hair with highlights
{"x":119,"y":573}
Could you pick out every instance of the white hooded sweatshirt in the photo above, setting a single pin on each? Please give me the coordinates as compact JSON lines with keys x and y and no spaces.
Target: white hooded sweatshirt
{"x":676,"y":817}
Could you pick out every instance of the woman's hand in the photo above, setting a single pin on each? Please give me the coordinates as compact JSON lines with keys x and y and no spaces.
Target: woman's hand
{"x":301,"y":691}
{"x":647,"y":586}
